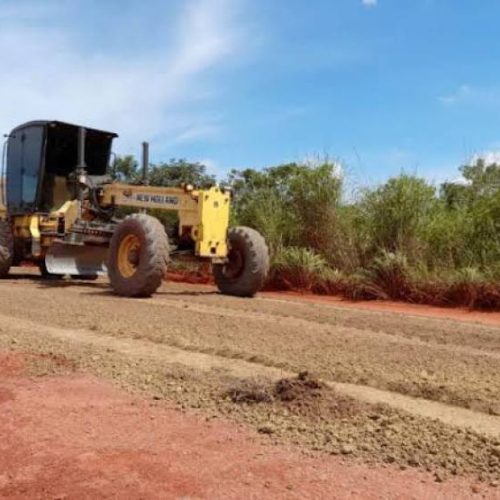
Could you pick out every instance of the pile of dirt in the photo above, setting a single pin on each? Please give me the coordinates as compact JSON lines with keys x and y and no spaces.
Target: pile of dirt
{"x":302,"y":389}
{"x":303,"y":395}
{"x":249,"y":391}
{"x":306,"y":411}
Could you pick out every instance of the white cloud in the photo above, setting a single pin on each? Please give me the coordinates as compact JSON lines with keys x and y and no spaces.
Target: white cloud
{"x":485,"y":96}
{"x":369,"y":3}
{"x":462,"y":93}
{"x":50,"y":73}
{"x":460,"y":181}
{"x":489,"y":157}
{"x":214,"y":168}
{"x":196,"y":131}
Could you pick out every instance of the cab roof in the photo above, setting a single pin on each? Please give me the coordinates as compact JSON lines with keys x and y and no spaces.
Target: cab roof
{"x":56,"y":123}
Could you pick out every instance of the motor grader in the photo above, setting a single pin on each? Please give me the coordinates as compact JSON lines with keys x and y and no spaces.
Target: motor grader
{"x":61,"y":211}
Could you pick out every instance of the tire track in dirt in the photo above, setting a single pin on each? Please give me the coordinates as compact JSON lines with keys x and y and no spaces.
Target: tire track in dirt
{"x":430,"y":331}
{"x":319,"y":326}
{"x":480,"y":423}
{"x":434,"y":330}
{"x":349,"y":347}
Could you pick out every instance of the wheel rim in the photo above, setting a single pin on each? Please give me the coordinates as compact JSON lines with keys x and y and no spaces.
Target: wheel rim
{"x":128,"y":255}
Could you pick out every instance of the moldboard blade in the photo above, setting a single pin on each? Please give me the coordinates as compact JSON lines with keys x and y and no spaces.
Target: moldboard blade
{"x":62,"y":258}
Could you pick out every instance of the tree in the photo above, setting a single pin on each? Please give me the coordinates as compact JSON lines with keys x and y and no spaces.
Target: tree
{"x":480,"y":179}
{"x":484,"y":178}
{"x":171,"y":174}
{"x":125,"y":169}
{"x":477,"y":201}
{"x":395,"y":214}
{"x":177,"y":172}
{"x":174,"y":173}
{"x":291,"y":204}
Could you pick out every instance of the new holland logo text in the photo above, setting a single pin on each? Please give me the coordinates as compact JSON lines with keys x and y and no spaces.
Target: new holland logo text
{"x":157,"y":198}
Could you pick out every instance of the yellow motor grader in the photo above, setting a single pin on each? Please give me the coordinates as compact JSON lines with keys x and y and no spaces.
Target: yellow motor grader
{"x":61,"y":211}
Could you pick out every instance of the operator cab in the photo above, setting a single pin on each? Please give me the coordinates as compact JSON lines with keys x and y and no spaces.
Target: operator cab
{"x":41,"y":161}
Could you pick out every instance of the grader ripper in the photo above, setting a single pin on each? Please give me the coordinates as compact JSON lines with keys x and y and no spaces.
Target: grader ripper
{"x":61,"y":212}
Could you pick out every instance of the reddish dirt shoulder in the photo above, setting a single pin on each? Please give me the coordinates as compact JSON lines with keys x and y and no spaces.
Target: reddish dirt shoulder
{"x":77,"y":436}
{"x":459,"y":314}
{"x":203,"y":279}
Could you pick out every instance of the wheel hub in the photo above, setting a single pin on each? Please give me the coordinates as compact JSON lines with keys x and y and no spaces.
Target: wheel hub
{"x":234,"y":265}
{"x":129,"y":255}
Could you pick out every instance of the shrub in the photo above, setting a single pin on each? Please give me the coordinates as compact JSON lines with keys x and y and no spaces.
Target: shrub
{"x":267,"y":212}
{"x":291,"y":205}
{"x":299,"y":268}
{"x":395,"y":214}
{"x":446,"y":239}
{"x":387,"y":277}
{"x":315,"y":194}
{"x":468,"y":287}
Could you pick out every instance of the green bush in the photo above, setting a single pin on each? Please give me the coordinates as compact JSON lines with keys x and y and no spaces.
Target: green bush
{"x":267,"y":212}
{"x":291,"y":204}
{"x":300,"y":268}
{"x":395,"y":215}
{"x":387,"y":277}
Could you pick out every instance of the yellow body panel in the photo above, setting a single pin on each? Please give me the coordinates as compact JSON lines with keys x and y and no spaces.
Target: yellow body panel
{"x":213,"y":213}
{"x":70,"y":211}
{"x":22,"y":224}
{"x":204,"y":213}
{"x":36,"y":249}
{"x":31,"y":227}
{"x":163,"y":198}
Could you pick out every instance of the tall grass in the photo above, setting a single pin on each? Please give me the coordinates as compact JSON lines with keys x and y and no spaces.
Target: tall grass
{"x":405,"y":239}
{"x":300,"y":269}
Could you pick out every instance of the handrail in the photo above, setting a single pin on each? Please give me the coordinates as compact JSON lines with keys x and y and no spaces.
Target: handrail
{"x":3,"y":180}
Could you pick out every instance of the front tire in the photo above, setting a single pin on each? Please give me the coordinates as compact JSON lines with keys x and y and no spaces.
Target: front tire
{"x":138,"y":256}
{"x":245,"y":272}
{"x":6,"y":248}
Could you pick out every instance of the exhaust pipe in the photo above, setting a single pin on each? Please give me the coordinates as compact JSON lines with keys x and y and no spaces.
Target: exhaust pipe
{"x":82,"y":135}
{"x":81,"y":168}
{"x":145,"y":163}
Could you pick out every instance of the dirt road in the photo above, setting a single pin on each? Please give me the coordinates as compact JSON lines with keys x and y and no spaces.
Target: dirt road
{"x":384,"y":388}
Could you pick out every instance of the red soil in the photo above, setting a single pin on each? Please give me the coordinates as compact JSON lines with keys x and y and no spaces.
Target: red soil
{"x":80,"y":437}
{"x":203,"y":277}
{"x":455,"y":313}
{"x":194,"y":277}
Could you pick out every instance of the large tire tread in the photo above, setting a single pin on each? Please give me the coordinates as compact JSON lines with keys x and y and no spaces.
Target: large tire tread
{"x":6,"y":248}
{"x":255,"y":268}
{"x":154,"y":256}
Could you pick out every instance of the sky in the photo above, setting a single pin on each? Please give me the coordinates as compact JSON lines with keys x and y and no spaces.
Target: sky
{"x":382,"y":86}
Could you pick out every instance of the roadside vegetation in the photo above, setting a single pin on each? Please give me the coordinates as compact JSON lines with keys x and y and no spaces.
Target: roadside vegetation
{"x":403,"y":240}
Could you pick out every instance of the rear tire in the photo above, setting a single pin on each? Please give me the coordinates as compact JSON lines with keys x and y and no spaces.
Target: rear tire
{"x":248,"y":264}
{"x":6,"y":248}
{"x":138,"y":256}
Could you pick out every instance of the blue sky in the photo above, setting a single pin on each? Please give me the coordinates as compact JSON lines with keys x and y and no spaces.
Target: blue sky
{"x":380,"y":85}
